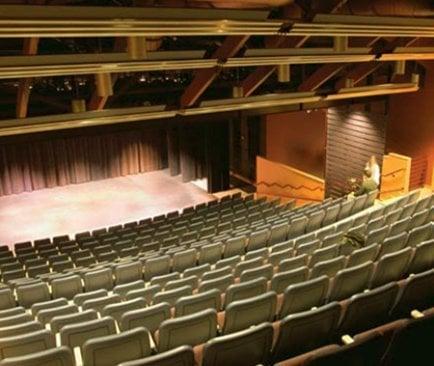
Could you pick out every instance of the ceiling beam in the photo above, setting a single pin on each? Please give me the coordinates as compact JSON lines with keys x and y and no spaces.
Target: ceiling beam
{"x":30,"y":47}
{"x":326,"y":72}
{"x":361,"y":71}
{"x":96,"y":102}
{"x":262,"y":73}
{"x":203,"y":78}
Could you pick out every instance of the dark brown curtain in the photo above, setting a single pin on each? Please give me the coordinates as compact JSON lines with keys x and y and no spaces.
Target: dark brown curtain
{"x":28,"y":166}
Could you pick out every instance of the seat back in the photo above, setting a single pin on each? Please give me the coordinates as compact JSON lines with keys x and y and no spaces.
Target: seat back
{"x":27,"y":295}
{"x":412,"y":340}
{"x":282,"y":280}
{"x":234,"y":246}
{"x":324,"y":254}
{"x":128,"y":272}
{"x":365,"y":350}
{"x":399,"y":226}
{"x":66,"y":287}
{"x":185,"y":259}
{"x":297,"y":227}
{"x":331,"y":215}
{"x":304,"y":296}
{"x":242,"y":314}
{"x":172,"y":296}
{"x":245,"y":290}
{"x":15,"y":319}
{"x":59,"y":321}
{"x":114,"y":349}
{"x":180,"y":356}
{"x":156,"y":267}
{"x":293,"y":263}
{"x":221,"y":283}
{"x":217,"y":273}
{"x":163,"y":279}
{"x":187,"y":305}
{"x":305,"y":331}
{"x":328,"y":268}
{"x":368,"y":309}
{"x":265,"y":271}
{"x":308,"y":248}
{"x":20,"y":345}
{"x":393,"y":244}
{"x":122,"y":290}
{"x":189,"y":330}
{"x":99,"y":303}
{"x":100,"y":279}
{"x":417,"y":293}
{"x":315,"y":220}
{"x":257,"y":240}
{"x":117,"y":310}
{"x":145,"y":293}
{"x":45,"y":316}
{"x":420,"y":234}
{"x":391,"y":267}
{"x":7,"y":299}
{"x":150,"y":317}
{"x":278,"y":234}
{"x":350,"y":281}
{"x":423,"y":257}
{"x":377,"y":235}
{"x":363,"y":255}
{"x":14,"y":330}
{"x":254,"y":344}
{"x":210,"y":253}
{"x":60,"y":356}
{"x":75,"y":335}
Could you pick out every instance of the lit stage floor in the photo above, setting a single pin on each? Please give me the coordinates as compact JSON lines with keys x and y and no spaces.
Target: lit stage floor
{"x":87,"y":206}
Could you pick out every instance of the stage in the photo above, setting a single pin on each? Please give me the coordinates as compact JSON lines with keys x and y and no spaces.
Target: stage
{"x":87,"y":206}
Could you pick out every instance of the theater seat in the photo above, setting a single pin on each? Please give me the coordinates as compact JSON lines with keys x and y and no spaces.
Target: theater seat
{"x":350,"y":281}
{"x":412,"y":343}
{"x":248,"y":347}
{"x":114,"y":349}
{"x":365,"y":351}
{"x":187,"y":305}
{"x":369,"y":309}
{"x":282,"y":280}
{"x":7,"y":299}
{"x":391,"y":267}
{"x":423,"y":257}
{"x":20,"y":345}
{"x":58,"y":322}
{"x":242,"y":314}
{"x":75,"y":335}
{"x":245,"y":290}
{"x":60,"y":356}
{"x":117,"y":310}
{"x":303,"y":296}
{"x":14,"y":330}
{"x":189,"y":330}
{"x":305,"y":331}
{"x":181,"y":356}
{"x":27,"y":295}
{"x":150,"y":317}
{"x":172,"y":296}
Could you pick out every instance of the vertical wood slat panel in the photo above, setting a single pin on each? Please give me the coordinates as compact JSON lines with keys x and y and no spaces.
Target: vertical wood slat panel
{"x":352,"y":137}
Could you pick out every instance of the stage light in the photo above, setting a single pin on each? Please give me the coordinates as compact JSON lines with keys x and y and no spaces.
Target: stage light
{"x":399,"y":68}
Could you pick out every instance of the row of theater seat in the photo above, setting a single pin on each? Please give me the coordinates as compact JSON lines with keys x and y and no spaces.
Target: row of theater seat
{"x":322,"y":260}
{"x":293,"y":245}
{"x":44,"y":255}
{"x":264,"y":343}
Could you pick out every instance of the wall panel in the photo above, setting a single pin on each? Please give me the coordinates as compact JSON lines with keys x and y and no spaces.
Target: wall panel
{"x":352,"y":137}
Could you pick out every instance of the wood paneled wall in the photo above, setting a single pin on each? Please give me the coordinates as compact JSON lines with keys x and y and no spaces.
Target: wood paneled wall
{"x":352,"y":137}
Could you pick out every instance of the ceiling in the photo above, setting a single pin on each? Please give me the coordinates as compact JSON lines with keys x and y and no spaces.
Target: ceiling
{"x":184,"y":53}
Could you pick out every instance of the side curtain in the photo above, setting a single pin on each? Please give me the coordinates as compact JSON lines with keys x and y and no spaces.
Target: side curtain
{"x":29,"y":166}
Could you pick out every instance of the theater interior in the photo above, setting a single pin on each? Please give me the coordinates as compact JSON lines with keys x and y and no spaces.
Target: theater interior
{"x":216,"y":182}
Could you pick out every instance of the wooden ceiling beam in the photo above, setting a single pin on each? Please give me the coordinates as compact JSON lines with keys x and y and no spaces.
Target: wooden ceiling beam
{"x":96,"y":102}
{"x":262,"y":73}
{"x":202,"y":79}
{"x":363,"y":70}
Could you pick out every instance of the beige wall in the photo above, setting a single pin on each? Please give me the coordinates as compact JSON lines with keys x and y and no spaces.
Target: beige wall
{"x":298,"y":139}
{"x":411,"y":126}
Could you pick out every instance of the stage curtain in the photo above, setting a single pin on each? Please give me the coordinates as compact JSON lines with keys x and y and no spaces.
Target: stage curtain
{"x":38,"y":164}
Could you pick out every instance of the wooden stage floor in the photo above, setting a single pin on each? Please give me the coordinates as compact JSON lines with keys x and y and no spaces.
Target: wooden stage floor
{"x":88,"y":206}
